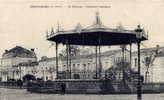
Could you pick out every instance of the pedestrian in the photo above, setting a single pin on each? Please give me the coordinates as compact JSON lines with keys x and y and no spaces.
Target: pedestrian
{"x":63,"y":87}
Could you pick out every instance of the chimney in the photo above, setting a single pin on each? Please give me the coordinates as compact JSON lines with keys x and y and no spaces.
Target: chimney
{"x":157,"y":49}
{"x":32,"y":49}
{"x":6,"y":51}
{"x":157,"y":46}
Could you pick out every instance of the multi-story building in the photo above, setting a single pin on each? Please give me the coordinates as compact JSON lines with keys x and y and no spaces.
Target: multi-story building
{"x":17,"y":62}
{"x":82,"y":66}
{"x":46,"y":68}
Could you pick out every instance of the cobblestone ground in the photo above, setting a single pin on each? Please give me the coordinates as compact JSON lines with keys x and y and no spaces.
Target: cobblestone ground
{"x":16,"y":94}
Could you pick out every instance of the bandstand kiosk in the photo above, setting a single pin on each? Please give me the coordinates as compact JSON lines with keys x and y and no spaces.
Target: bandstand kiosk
{"x":99,"y":35}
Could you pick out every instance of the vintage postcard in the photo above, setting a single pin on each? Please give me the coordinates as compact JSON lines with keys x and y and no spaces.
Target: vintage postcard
{"x":81,"y":49}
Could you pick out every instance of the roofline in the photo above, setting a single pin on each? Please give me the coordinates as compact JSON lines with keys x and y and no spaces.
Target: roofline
{"x":92,"y":55}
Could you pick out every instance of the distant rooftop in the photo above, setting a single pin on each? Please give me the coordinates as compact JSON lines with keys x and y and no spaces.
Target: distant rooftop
{"x":19,"y":51}
{"x":152,"y":49}
{"x":89,"y":56}
{"x":107,"y":54}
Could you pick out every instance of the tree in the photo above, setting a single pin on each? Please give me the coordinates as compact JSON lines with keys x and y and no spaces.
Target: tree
{"x":148,"y":61}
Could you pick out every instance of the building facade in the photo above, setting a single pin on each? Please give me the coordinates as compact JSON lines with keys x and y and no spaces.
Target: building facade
{"x":82,"y":66}
{"x":17,"y":62}
{"x":46,"y":69}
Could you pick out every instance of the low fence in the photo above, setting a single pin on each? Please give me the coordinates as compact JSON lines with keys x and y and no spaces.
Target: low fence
{"x":12,"y":84}
{"x":78,"y":86}
{"x":85,"y":86}
{"x":155,"y":87}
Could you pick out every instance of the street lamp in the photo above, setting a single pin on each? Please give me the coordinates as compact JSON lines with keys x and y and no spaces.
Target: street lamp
{"x":139,"y":34}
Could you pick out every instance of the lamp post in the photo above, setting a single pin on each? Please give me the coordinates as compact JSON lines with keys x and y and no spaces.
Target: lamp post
{"x":123,"y":61}
{"x":57,"y":61}
{"x":20,"y":73}
{"x":139,"y":85}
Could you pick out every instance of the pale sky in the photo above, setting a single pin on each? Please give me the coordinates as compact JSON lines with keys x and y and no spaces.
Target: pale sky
{"x":24,"y":26}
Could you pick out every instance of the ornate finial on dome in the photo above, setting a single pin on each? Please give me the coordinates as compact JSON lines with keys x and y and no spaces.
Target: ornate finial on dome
{"x":139,"y":29}
{"x":98,"y":21}
{"x":52,"y":30}
{"x":139,"y":26}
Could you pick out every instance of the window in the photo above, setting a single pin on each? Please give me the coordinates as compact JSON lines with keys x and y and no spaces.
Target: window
{"x":135,"y":62}
{"x":88,"y":67}
{"x":64,"y":68}
{"x":88,"y":76}
{"x":84,"y":65}
{"x":78,"y":67}
{"x":73,"y":69}
{"x":106,"y":64}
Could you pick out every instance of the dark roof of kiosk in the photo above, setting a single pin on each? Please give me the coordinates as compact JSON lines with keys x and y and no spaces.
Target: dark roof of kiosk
{"x":96,"y":34}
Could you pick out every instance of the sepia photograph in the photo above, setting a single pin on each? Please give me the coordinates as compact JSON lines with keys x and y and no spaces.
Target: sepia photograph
{"x":81,"y":50}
